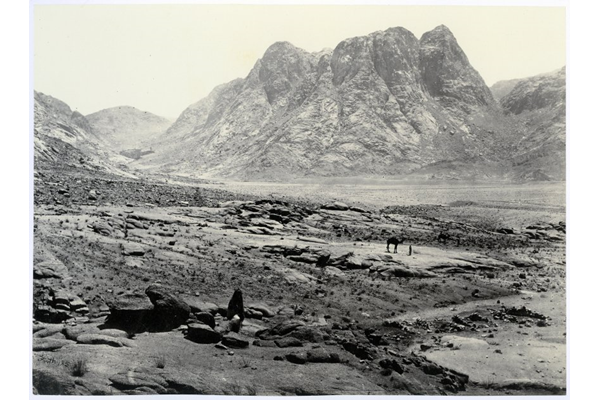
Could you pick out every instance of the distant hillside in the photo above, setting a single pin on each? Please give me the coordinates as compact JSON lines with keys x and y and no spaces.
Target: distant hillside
{"x":539,"y":104}
{"x":126,"y":128}
{"x":502,"y":88}
{"x":64,"y":138}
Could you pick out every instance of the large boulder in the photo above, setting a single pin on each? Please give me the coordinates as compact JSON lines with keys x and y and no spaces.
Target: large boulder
{"x":47,"y":330}
{"x":201,"y":333}
{"x":283,"y":328}
{"x":320,"y":355}
{"x":206,"y":318}
{"x":296,"y":358}
{"x":355,"y":262}
{"x":309,"y":334}
{"x":46,"y":313}
{"x":169,"y":311}
{"x":102,"y":228}
{"x":130,"y":312}
{"x":235,"y":340}
{"x":133,"y":249}
{"x":263,"y":308}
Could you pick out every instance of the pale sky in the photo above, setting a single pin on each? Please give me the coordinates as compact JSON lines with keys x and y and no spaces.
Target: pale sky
{"x":162,"y":58}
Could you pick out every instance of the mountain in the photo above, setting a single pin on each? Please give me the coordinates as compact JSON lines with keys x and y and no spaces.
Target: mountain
{"x":64,"y":138}
{"x":385,"y":103}
{"x":544,"y":91}
{"x":502,"y":88}
{"x":539,"y":104}
{"x":388,"y":103}
{"x":126,"y":128}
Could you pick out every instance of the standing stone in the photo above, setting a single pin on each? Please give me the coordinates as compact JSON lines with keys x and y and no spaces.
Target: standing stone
{"x":236,"y":305}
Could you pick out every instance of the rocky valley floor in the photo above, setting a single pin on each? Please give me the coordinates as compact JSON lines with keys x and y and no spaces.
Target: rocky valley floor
{"x":132,"y":280}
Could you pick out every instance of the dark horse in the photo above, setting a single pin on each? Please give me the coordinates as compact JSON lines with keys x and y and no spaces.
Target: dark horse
{"x":395,"y":241}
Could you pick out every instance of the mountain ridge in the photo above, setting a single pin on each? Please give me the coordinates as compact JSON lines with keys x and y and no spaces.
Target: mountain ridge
{"x":387,"y":103}
{"x":384,"y":103}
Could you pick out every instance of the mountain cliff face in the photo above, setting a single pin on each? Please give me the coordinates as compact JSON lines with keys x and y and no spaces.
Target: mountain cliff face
{"x":124,"y":127}
{"x":386,"y":103}
{"x":539,"y":105}
{"x":64,"y":138}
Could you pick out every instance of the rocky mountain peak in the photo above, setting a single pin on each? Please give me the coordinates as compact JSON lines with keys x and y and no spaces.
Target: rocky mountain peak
{"x":281,"y":68}
{"x":447,"y":72}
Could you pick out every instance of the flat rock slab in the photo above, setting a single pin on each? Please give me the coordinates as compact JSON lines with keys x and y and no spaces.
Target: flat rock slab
{"x":531,"y":359}
{"x":312,"y":240}
{"x":288,"y":342}
{"x":234,"y":340}
{"x":197,"y":305}
{"x":251,"y":328}
{"x":135,"y":379}
{"x":437,"y":258}
{"x":201,"y":333}
{"x":73,"y":332}
{"x":292,"y":276}
{"x":49,"y":344}
{"x":50,"y":269}
{"x":401,"y":271}
{"x":91,"y":338}
{"x":46,"y":330}
{"x":131,"y":302}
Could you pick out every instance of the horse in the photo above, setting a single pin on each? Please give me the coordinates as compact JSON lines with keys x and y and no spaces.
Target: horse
{"x":395,"y":241}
